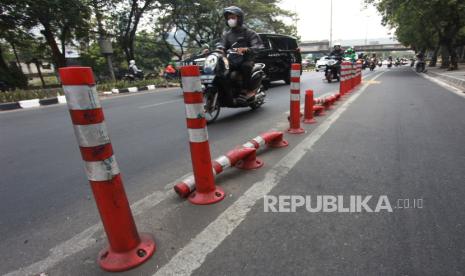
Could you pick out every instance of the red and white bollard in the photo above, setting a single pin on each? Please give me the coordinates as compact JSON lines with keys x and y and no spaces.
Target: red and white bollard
{"x":242,"y":157}
{"x":127,"y":248}
{"x":308,"y":109}
{"x":206,"y":191}
{"x":353,"y":77}
{"x":344,"y":83}
{"x":294,"y":121}
{"x":359,"y":72}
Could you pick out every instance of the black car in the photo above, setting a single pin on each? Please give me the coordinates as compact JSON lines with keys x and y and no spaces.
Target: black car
{"x":280,"y":52}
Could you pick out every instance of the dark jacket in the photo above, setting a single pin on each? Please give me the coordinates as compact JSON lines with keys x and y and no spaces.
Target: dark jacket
{"x":245,"y":38}
{"x":339,"y":54}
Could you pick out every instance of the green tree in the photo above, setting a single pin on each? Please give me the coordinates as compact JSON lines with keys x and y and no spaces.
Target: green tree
{"x":421,"y":23}
{"x":13,"y":26}
{"x":63,"y":19}
{"x":202,"y":20}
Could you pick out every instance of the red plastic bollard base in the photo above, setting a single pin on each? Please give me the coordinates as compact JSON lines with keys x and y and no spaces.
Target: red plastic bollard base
{"x":251,"y":164}
{"x":207,"y":198}
{"x":279,"y":144}
{"x":182,"y":190}
{"x":327,"y":105}
{"x":309,"y":121}
{"x":110,"y":260}
{"x":296,"y":130}
{"x":319,"y":110}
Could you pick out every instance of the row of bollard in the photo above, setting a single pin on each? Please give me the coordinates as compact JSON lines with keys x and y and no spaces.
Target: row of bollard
{"x":126,"y":247}
{"x":351,"y":77}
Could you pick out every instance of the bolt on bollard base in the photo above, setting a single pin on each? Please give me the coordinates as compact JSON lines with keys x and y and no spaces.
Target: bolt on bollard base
{"x":199,"y":198}
{"x":111,"y":260}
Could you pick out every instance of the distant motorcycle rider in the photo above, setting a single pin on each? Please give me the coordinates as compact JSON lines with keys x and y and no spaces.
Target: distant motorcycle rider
{"x":134,"y":70}
{"x":337,"y":52}
{"x":350,"y":54}
{"x":241,"y":38}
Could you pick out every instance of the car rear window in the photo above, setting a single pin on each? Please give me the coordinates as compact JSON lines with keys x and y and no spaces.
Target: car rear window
{"x":282,"y":43}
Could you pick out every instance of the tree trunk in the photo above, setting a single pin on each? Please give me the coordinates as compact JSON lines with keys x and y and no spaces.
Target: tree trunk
{"x":3,"y":64}
{"x":453,"y":58}
{"x":463,"y":54}
{"x":17,"y":57}
{"x":445,"y":57}
{"x":36,"y":62}
{"x":434,"y":59}
{"x":58,"y":57}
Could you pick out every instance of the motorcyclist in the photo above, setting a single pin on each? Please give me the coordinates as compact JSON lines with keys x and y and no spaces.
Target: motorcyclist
{"x":134,"y":70}
{"x":350,"y":53}
{"x":243,"y":39}
{"x":337,"y":52}
{"x":169,"y":72}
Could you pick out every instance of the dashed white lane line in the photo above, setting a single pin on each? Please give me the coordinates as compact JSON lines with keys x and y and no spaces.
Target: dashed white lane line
{"x":194,"y":253}
{"x":158,"y":104}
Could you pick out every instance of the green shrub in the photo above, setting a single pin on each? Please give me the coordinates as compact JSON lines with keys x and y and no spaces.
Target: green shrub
{"x":19,"y":95}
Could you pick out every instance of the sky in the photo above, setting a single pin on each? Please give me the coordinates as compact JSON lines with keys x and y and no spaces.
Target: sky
{"x":350,"y":20}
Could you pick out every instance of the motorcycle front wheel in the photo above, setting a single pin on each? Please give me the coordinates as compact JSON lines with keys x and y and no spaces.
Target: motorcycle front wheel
{"x":211,"y":107}
{"x":328,"y":77}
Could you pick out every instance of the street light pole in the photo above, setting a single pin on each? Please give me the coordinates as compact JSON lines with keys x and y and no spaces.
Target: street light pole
{"x":331,"y":26}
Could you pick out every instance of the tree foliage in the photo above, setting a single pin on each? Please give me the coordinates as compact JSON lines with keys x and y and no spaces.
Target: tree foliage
{"x":425,"y":24}
{"x":149,"y":31}
{"x":202,"y":20}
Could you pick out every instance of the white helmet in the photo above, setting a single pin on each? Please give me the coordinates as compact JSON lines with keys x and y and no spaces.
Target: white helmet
{"x":132,"y":62}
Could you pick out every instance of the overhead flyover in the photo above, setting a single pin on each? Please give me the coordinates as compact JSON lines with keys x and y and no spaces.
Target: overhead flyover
{"x":322,"y":47}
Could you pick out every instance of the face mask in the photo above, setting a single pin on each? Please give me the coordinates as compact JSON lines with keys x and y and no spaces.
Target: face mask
{"x":232,"y":23}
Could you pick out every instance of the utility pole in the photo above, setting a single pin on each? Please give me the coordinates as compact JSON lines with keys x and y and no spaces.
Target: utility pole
{"x":331,"y":26}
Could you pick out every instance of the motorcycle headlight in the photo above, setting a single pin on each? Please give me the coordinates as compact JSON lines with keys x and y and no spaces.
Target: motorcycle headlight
{"x":331,"y":62}
{"x":210,"y":64}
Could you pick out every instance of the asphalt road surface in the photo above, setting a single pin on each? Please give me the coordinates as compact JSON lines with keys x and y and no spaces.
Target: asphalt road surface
{"x":400,"y":136}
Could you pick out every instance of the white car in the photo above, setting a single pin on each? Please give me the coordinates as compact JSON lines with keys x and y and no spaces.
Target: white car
{"x":321,"y":63}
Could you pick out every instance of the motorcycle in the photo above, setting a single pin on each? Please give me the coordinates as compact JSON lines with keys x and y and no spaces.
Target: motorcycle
{"x":134,"y":77}
{"x":332,"y":69}
{"x":216,"y":76}
{"x":420,"y":66}
{"x":372,"y":64}
{"x":389,"y":65}
{"x":365,"y":64}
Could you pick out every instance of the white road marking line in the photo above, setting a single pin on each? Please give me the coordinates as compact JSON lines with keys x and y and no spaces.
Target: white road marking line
{"x":157,"y":104}
{"x":87,"y":237}
{"x":191,"y":257}
{"x":445,"y":85}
